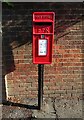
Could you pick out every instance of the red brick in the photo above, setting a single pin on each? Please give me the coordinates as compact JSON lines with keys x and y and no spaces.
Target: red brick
{"x":62,"y":78}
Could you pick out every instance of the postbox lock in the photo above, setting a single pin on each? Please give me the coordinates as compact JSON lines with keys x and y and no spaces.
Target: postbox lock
{"x":42,"y":36}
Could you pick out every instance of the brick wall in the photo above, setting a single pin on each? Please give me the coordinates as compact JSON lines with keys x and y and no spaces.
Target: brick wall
{"x":63,"y":78}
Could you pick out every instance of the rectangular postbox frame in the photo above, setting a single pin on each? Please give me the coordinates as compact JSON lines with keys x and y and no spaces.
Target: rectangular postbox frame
{"x":43,"y":24}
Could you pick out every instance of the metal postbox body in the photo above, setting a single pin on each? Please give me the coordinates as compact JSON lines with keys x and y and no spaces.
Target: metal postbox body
{"x":43,"y":36}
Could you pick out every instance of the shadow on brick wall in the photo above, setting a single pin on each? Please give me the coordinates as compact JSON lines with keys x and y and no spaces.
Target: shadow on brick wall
{"x":16,"y":32}
{"x":66,"y":15}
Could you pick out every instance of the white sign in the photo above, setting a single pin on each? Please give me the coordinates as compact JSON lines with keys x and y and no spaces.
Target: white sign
{"x":42,"y":47}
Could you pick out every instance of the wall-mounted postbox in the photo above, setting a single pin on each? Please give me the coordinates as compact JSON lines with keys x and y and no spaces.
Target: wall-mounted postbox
{"x":43,"y":35}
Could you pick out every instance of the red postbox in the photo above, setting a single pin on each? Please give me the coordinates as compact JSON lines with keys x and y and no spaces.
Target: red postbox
{"x":43,"y":36}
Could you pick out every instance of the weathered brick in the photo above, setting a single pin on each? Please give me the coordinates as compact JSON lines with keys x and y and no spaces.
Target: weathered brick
{"x":62,"y":78}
